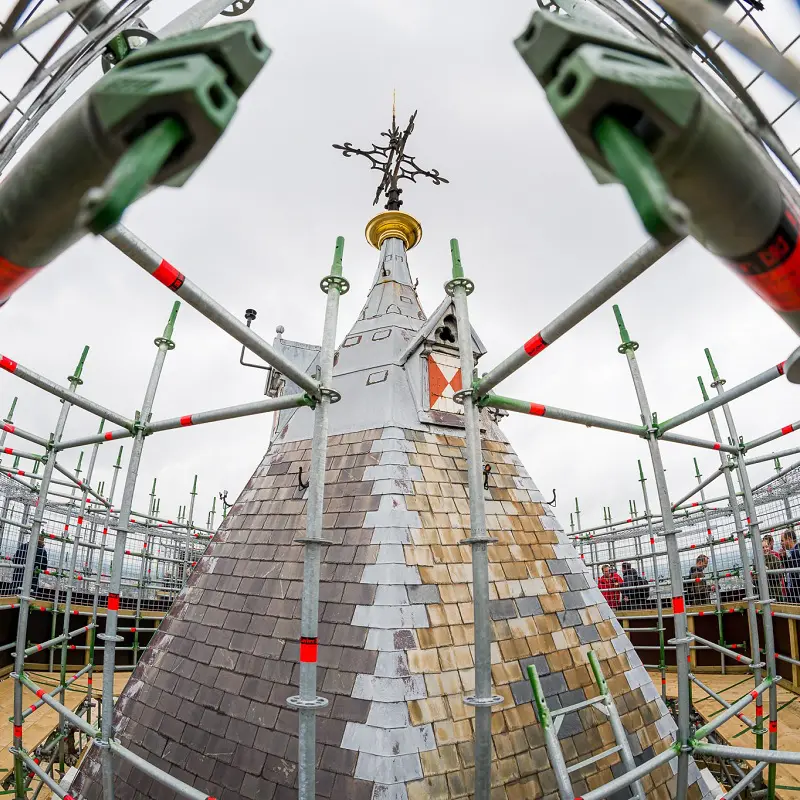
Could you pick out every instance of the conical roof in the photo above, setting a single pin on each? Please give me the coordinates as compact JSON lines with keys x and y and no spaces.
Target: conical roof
{"x":208,"y":700}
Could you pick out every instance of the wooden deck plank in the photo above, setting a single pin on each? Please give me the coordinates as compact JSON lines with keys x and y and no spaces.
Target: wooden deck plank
{"x":39,"y":725}
{"x":731,"y":688}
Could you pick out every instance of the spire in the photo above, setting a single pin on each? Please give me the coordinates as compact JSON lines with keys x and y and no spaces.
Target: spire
{"x":393,"y":232}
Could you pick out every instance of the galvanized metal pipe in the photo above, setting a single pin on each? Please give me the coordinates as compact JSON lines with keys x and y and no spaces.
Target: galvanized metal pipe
{"x":752,"y":612}
{"x":614,"y":282}
{"x":765,"y":602}
{"x":770,"y":437}
{"x":733,"y":710}
{"x":27,"y":577}
{"x":628,"y":348}
{"x":307,"y":702}
{"x":792,"y":451}
{"x":164,"y":272}
{"x":701,"y":484}
{"x":479,"y":541}
{"x":662,"y":662}
{"x":721,"y":700}
{"x":110,"y":637}
{"x":750,"y":385}
{"x":66,"y":394}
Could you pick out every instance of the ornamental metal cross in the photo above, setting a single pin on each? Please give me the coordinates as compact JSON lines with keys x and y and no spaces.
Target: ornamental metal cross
{"x":393,"y":162}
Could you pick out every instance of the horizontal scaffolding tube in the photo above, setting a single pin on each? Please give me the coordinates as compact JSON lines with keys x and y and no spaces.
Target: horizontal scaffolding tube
{"x":163,"y":271}
{"x":751,"y":776}
{"x":792,"y":451}
{"x":37,"y":648}
{"x":721,"y":700}
{"x":715,"y":402}
{"x":108,"y":436}
{"x":678,"y":438}
{"x":81,"y":485}
{"x":551,"y":412}
{"x":232,"y":412}
{"x":700,"y":486}
{"x":39,"y":703}
{"x":745,"y":754}
{"x":80,"y":723}
{"x":733,"y":710}
{"x":23,"y":434}
{"x":53,"y":388}
{"x":615,"y":281}
{"x":770,"y":437}
{"x":49,"y":781}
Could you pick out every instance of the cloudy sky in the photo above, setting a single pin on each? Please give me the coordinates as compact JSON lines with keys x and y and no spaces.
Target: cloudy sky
{"x":255,"y":227}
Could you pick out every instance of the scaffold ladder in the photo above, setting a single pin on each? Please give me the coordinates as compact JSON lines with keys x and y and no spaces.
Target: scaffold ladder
{"x":551,"y":722}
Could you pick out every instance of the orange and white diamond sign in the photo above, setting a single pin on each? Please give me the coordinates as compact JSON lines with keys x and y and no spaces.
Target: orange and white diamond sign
{"x":444,"y":380}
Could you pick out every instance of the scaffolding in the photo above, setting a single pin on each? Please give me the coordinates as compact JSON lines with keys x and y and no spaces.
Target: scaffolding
{"x":144,"y":546}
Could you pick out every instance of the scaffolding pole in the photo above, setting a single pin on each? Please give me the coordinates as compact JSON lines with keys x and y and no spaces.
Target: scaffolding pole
{"x":484,"y":698}
{"x":307,"y":702}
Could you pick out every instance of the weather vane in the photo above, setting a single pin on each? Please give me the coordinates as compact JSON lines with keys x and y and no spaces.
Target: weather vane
{"x":392,"y":161}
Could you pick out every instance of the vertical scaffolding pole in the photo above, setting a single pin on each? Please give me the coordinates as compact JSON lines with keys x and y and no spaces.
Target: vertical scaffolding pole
{"x":68,"y":598}
{"x":307,"y":702}
{"x":101,"y":559}
{"x":62,"y":552}
{"x":763,"y":592}
{"x":151,"y":510}
{"x":483,"y":699}
{"x":662,"y":653}
{"x":713,"y":555}
{"x":749,"y":591}
{"x":185,"y":576}
{"x":110,"y":638}
{"x":628,"y":349}
{"x":20,"y":770}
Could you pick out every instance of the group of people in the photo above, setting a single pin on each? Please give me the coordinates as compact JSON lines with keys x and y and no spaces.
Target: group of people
{"x":783,"y":586}
{"x":631,"y":590}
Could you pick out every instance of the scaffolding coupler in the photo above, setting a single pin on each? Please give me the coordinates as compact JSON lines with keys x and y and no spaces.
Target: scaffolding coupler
{"x":686,"y":164}
{"x":151,"y":121}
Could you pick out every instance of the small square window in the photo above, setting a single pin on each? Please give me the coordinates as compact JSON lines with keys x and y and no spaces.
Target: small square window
{"x":377,"y":377}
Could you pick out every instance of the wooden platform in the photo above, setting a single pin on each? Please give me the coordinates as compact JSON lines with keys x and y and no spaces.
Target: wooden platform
{"x":39,"y":724}
{"x":735,"y":732}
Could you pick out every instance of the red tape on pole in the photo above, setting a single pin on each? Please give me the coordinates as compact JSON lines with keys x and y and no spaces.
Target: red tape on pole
{"x":169,"y":276}
{"x":677,"y":605}
{"x":308,"y":649}
{"x":18,"y":731}
{"x":12,"y":277}
{"x":113,"y":602}
{"x":537,"y":410}
{"x":773,"y":726}
{"x":187,"y":420}
{"x":7,"y":364}
{"x":535,"y":345}
{"x":773,"y":271}
{"x":109,"y":436}
{"x":787,"y":429}
{"x":9,"y":428}
{"x":717,"y":446}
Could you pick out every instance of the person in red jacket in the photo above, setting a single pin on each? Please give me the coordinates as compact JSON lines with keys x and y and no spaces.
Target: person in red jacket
{"x":609,"y":584}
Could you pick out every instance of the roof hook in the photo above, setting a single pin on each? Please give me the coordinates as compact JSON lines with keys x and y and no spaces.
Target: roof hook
{"x":486,"y":470}
{"x":224,"y":497}
{"x":553,"y":501}
{"x":300,"y":483}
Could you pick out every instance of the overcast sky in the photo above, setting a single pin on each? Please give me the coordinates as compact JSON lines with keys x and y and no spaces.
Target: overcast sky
{"x":255,"y":227}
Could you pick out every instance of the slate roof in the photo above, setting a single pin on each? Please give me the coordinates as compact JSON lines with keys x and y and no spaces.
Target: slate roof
{"x":208,"y":699}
